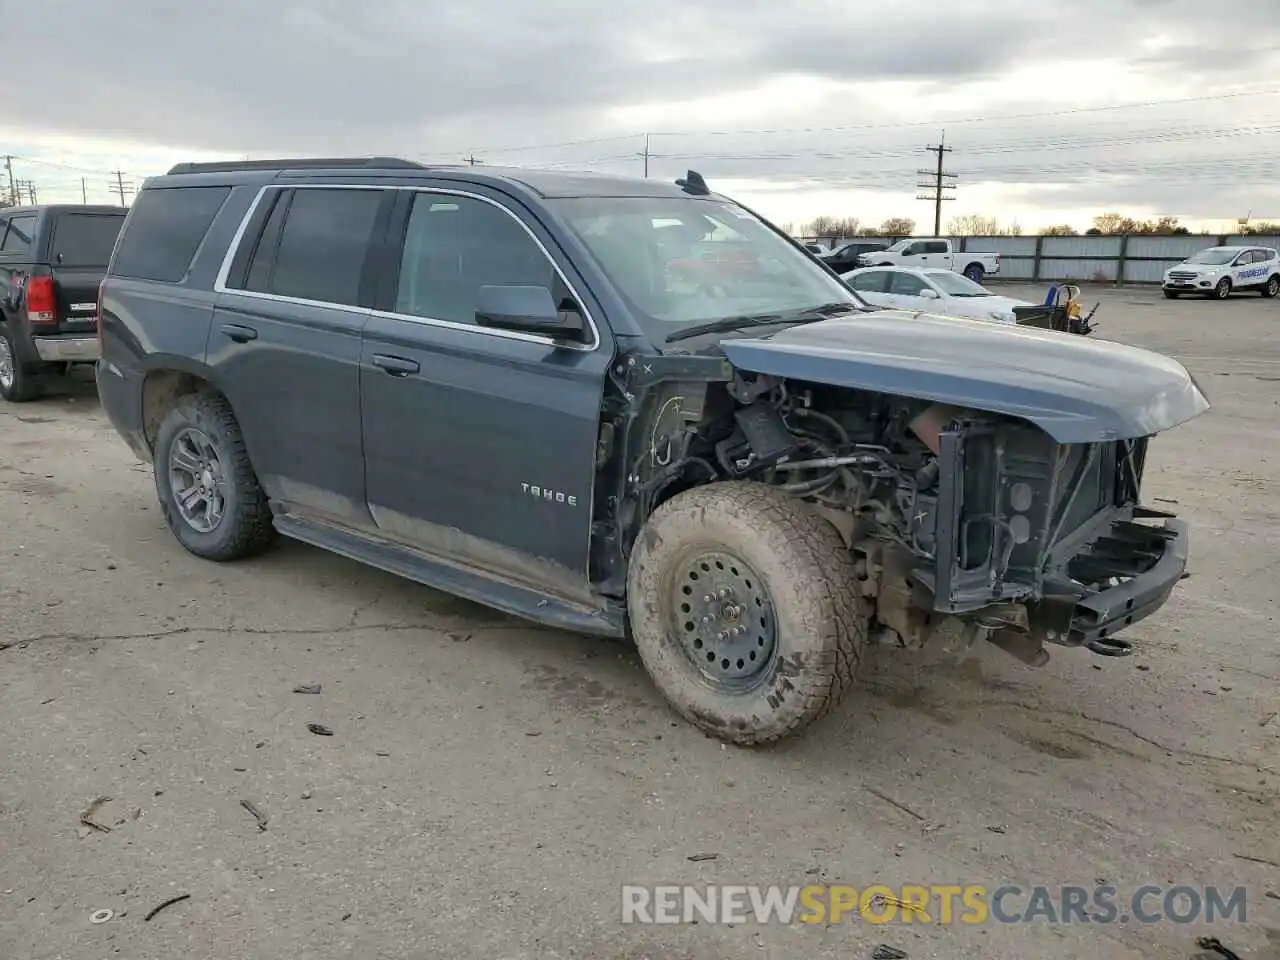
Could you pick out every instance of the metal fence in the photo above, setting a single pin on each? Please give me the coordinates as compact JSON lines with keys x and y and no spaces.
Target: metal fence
{"x":1123,"y":259}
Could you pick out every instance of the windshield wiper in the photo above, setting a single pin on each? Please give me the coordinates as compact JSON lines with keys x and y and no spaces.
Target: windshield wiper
{"x":727,"y":324}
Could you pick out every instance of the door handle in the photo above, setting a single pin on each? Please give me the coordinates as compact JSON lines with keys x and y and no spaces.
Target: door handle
{"x":239,"y":333}
{"x":396,"y":366}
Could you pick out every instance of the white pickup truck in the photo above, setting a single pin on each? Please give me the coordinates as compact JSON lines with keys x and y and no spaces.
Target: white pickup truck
{"x":934,"y":254}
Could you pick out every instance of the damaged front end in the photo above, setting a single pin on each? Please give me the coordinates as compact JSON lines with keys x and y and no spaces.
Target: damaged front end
{"x":1034,"y":541}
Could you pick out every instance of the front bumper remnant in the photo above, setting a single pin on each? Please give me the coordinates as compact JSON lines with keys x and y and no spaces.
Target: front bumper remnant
{"x":1098,"y":616}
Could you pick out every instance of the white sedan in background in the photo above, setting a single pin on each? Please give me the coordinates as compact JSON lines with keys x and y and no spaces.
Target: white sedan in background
{"x":932,"y":291}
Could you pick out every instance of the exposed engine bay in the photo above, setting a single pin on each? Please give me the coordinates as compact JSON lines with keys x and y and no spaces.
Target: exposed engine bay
{"x":950,"y":512}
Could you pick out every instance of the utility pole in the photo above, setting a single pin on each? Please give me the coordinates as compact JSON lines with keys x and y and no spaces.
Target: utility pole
{"x":24,"y":188}
{"x":646,"y":155}
{"x":939,"y":186}
{"x":472,"y":160}
{"x":84,"y":191}
{"x":121,"y":187}
{"x":13,"y":191}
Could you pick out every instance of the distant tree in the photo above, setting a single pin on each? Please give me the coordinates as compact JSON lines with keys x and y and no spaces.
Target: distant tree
{"x":1061,"y":230}
{"x":1093,"y":232}
{"x":1113,"y":224}
{"x":1265,"y":228}
{"x":833,"y":227}
{"x":973,"y":225}
{"x":897,"y":227}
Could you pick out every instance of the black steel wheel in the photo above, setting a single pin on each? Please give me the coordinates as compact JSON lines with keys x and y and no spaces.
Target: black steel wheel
{"x":744,"y":608}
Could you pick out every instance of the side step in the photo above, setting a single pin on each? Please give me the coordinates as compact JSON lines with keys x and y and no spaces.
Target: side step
{"x":514,"y":599}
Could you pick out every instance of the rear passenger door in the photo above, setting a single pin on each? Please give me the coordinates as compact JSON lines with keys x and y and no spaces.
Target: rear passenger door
{"x":480,"y":443}
{"x":285,"y":343}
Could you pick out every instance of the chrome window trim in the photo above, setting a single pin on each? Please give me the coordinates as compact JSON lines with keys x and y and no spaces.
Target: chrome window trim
{"x":220,"y":282}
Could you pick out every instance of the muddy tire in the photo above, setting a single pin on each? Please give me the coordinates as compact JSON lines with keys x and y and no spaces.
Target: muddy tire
{"x":744,"y":610}
{"x":199,"y":446}
{"x":1171,"y":294}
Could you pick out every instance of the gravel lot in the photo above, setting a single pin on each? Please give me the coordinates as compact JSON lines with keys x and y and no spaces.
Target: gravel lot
{"x":490,"y":785}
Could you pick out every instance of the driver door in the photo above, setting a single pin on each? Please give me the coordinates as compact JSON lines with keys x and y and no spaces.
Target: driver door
{"x":479,"y":443}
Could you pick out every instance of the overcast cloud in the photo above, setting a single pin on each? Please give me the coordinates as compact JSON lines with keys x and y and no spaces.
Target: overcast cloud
{"x":134,"y":83}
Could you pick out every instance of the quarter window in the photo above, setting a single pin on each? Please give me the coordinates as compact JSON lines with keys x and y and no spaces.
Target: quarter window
{"x":454,"y":245}
{"x":163,"y":231}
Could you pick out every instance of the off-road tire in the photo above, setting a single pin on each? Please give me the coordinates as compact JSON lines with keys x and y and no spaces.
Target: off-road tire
{"x":1223,"y":289}
{"x":28,"y":381}
{"x":821,"y":621}
{"x":1171,"y":294}
{"x":975,"y":272}
{"x":245,"y":528}
{"x":1271,"y":288}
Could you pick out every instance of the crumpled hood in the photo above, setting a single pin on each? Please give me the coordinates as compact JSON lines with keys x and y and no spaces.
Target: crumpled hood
{"x":1077,"y":389}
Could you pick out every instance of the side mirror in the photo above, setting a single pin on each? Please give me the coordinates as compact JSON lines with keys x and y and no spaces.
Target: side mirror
{"x":526,"y":308}
{"x":929,"y":294}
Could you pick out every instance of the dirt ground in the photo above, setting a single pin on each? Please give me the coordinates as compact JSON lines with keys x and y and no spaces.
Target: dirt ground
{"x":490,"y":786}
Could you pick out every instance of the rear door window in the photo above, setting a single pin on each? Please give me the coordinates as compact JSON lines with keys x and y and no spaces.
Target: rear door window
{"x":20,"y":237}
{"x":164,"y":230}
{"x":872,"y":282}
{"x":314,"y":244}
{"x":84,"y":239}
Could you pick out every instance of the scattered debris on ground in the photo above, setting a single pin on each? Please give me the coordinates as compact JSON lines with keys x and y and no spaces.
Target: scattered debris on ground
{"x":101,"y":916}
{"x":1214,"y":945}
{"x":319,"y":729}
{"x":168,"y":903}
{"x":256,"y":813}
{"x":307,"y":688}
{"x":86,"y":818}
{"x":700,"y":857}
{"x":886,"y":952}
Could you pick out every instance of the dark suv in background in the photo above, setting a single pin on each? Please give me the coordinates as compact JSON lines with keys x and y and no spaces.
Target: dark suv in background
{"x":52,"y":259}
{"x":627,"y":407}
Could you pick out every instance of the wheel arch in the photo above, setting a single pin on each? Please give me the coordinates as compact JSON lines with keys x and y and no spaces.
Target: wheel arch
{"x":164,"y":380}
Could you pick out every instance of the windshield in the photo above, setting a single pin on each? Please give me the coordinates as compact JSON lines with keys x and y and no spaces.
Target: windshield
{"x":954,"y":285}
{"x":1214,"y":255}
{"x":686,"y":262}
{"x":897,"y":247}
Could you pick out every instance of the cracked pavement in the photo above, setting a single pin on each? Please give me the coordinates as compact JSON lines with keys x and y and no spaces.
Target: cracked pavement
{"x":490,"y":785}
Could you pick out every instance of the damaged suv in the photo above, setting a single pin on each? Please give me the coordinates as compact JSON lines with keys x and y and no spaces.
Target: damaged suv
{"x":631,"y":409}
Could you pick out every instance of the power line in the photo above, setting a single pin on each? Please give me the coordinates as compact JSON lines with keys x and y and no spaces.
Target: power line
{"x":939,"y":185}
{"x":950,"y":121}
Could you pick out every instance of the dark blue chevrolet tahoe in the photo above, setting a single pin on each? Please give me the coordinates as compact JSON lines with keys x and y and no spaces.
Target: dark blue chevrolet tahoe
{"x":628,"y":408}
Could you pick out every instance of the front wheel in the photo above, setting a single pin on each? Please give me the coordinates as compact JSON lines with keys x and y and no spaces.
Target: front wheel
{"x":208,"y":491}
{"x":1272,"y":287}
{"x":745,"y":611}
{"x":1171,"y":294}
{"x":975,"y":272}
{"x":1223,"y":289}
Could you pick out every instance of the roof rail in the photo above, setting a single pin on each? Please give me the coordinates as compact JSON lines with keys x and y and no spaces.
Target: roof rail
{"x":311,"y":163}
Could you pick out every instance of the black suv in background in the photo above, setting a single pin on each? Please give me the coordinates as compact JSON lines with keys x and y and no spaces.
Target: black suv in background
{"x":627,"y":407}
{"x":52,"y":259}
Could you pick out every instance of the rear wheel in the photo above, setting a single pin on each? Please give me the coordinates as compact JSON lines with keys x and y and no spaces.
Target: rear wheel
{"x":745,"y":611}
{"x":975,"y":272}
{"x":1272,"y":287}
{"x":19,"y":382}
{"x":1223,"y":289}
{"x":208,"y":491}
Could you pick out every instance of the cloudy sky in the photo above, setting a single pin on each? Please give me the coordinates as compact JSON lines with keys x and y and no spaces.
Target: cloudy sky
{"x":1055,"y":111}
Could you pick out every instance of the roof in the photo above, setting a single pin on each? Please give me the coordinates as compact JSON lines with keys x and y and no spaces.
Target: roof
{"x":545,"y":183}
{"x":65,"y":208}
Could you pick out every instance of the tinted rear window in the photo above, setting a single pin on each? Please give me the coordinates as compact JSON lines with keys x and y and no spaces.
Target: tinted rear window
{"x":85,"y":239}
{"x":165,"y":228}
{"x":321,"y":251}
